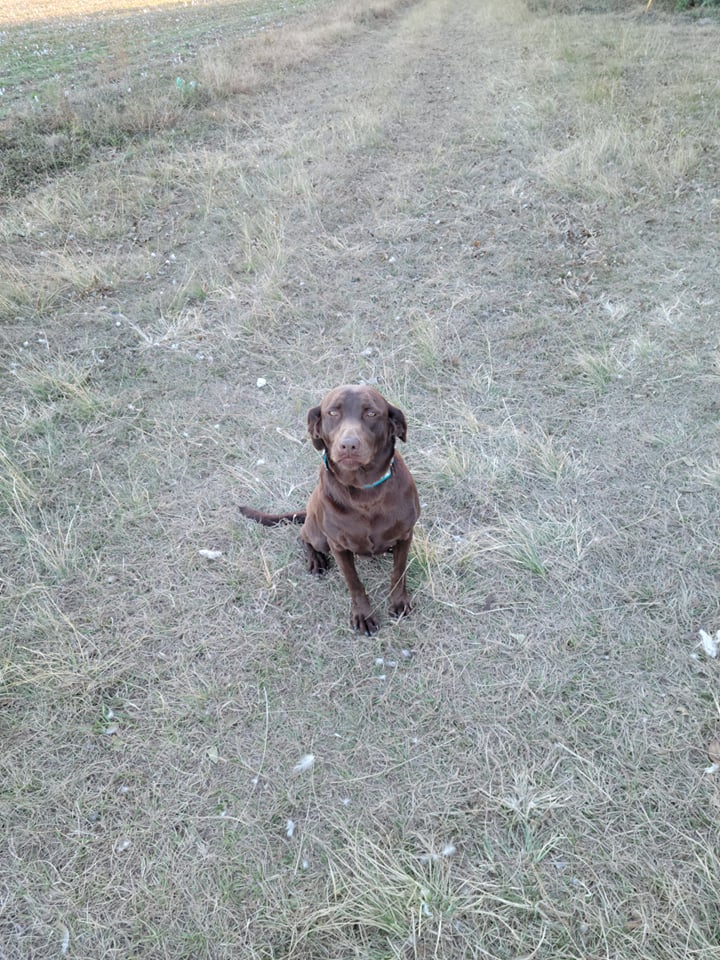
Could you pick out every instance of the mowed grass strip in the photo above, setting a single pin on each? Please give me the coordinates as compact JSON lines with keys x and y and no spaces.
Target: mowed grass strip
{"x":428,"y":202}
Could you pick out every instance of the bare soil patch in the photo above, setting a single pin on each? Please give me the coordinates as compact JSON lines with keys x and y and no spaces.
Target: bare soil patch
{"x":508,"y":221}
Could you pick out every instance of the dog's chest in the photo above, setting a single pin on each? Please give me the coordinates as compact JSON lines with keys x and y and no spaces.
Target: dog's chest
{"x":367,"y":543}
{"x":371,"y":533}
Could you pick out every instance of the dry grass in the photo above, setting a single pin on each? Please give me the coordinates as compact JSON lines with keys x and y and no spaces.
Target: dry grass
{"x":518,"y":248}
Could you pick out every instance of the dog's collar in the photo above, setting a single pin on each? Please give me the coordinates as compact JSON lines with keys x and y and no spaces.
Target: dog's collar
{"x":365,"y":486}
{"x":369,"y":486}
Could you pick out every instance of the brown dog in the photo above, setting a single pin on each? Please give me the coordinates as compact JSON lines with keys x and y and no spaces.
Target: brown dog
{"x":365,"y":501}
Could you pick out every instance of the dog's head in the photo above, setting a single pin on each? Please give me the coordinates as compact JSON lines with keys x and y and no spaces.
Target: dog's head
{"x":356,"y":426}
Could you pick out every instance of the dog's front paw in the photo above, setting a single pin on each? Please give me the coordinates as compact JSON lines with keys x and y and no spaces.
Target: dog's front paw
{"x":401,"y":607}
{"x":363,"y":619}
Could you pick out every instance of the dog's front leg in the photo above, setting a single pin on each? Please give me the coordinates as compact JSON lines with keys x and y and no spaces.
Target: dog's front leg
{"x":361,"y":612}
{"x":400,"y":605}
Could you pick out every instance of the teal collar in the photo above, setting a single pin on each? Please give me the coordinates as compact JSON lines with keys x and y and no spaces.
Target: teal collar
{"x":366,"y":486}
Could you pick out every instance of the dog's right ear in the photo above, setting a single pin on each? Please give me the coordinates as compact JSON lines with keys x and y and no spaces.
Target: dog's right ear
{"x":314,"y":422}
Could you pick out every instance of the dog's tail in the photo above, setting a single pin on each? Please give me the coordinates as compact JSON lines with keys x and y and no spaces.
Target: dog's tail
{"x":273,"y":519}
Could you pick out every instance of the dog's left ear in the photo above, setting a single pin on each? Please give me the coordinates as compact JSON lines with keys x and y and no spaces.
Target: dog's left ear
{"x":398,"y":422}
{"x":314,"y":421}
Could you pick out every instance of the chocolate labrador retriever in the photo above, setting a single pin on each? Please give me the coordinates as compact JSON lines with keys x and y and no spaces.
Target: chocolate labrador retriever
{"x":365,"y":501}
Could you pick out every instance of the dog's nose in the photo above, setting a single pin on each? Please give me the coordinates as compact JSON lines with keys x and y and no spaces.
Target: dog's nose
{"x":349,"y":443}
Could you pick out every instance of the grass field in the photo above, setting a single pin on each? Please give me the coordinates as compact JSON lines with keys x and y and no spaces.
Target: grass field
{"x":506,"y":217}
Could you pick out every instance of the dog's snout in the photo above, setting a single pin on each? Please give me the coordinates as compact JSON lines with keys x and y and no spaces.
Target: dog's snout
{"x":349,"y":443}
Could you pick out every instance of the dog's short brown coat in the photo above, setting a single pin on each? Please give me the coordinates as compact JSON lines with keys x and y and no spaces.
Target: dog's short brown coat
{"x":365,"y":502}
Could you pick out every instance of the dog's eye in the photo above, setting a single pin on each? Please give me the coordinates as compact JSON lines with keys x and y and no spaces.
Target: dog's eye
{"x":333,"y":412}
{"x":370,"y":413}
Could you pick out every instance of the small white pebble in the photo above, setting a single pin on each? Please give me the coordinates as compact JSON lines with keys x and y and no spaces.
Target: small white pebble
{"x":290,"y":828}
{"x":261,"y":382}
{"x":122,"y":845}
{"x":710,"y":643}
